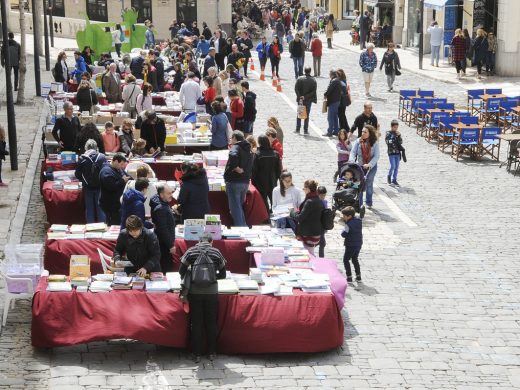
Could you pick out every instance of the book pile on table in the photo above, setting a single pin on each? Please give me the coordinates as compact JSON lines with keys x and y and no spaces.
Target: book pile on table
{"x":122,"y":282}
{"x":138,"y":283}
{"x":157,"y":286}
{"x":248,"y":287}
{"x":58,"y":283}
{"x":174,"y":279}
{"x":78,"y":281}
{"x":227,"y":286}
{"x":99,"y":286}
{"x":112,"y":233}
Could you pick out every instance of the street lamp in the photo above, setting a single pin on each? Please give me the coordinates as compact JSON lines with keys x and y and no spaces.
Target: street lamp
{"x":37,"y":41}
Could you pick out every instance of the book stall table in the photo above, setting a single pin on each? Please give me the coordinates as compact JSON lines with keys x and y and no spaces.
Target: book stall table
{"x":68,"y":206}
{"x":58,"y":252}
{"x":302,"y":322}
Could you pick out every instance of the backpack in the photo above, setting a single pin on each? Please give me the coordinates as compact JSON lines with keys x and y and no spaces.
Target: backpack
{"x":122,"y":37}
{"x":92,"y":178}
{"x":203,"y":271}
{"x":327,"y":219}
{"x":53,"y":72}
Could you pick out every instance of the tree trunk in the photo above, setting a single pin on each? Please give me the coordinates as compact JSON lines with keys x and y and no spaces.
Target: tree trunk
{"x":23,"y":59}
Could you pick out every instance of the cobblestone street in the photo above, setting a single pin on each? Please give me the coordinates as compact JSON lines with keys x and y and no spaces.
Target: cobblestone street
{"x":439,"y":304}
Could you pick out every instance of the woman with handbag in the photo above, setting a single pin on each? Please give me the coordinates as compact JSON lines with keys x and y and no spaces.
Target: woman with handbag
{"x":219,"y":127}
{"x":345,"y":100}
{"x":392,"y":66}
{"x":86,"y":98}
{"x":130,"y":93}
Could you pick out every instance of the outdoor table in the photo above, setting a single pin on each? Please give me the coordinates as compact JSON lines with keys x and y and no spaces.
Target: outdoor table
{"x":246,"y":323}
{"x":430,"y":135}
{"x":509,"y":138}
{"x":68,"y":206}
{"x":485,"y":98}
{"x":457,"y":127}
{"x":58,"y":251}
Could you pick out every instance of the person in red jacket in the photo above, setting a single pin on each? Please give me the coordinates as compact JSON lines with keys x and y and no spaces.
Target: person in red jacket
{"x":209,"y":93}
{"x":236,"y":107}
{"x":275,"y":144}
{"x":316,"y":49}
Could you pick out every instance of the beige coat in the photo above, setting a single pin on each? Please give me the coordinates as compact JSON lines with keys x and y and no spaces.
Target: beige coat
{"x":329,"y":29}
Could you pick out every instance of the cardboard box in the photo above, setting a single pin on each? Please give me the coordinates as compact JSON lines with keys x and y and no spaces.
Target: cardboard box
{"x":79,"y":266}
{"x":118,"y":120}
{"x":101,"y":119}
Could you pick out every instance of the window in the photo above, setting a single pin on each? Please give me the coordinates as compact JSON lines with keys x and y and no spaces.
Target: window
{"x":349,"y":6}
{"x":187,"y":11}
{"x":144,"y":9}
{"x":58,"y":7}
{"x":97,"y":10}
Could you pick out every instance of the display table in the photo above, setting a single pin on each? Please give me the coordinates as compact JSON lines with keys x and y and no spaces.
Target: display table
{"x":246,"y":324}
{"x":68,"y":207}
{"x":57,"y":254}
{"x":234,"y":251}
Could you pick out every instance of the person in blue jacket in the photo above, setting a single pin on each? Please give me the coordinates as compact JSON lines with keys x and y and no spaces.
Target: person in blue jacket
{"x":261,"y":49}
{"x":133,"y":203}
{"x":193,"y":200}
{"x":164,"y":224}
{"x":81,"y":66}
{"x":202,"y":47}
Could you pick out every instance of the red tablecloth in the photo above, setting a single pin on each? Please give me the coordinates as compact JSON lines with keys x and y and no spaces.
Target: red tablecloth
{"x":238,"y":260}
{"x":54,"y":165}
{"x":158,"y":101}
{"x":246,"y":324}
{"x":57,"y":254}
{"x":67,"y":207}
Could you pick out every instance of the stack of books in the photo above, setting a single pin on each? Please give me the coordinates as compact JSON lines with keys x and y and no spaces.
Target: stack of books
{"x":101,"y":286}
{"x":122,"y":283}
{"x":103,"y":277}
{"x":56,"y":278}
{"x":256,"y":274}
{"x":227,"y":286}
{"x":248,"y":287}
{"x":315,"y":286}
{"x":57,"y":185}
{"x":138,"y":283}
{"x":80,"y":281}
{"x":112,"y":233}
{"x":156,"y":276}
{"x":174,"y":279}
{"x":157,"y":286}
{"x":59,"y":287}
{"x":95,"y":231}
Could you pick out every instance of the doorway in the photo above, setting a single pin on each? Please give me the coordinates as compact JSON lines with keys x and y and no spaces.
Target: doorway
{"x":186,"y":11}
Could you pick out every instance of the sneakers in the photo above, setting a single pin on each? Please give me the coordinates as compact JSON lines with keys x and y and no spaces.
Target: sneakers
{"x":2,"y":184}
{"x":212,"y":356}
{"x":395,"y":183}
{"x":358,"y":278}
{"x":362,"y":211}
{"x":326,"y":135}
{"x":349,"y":279}
{"x":195,"y":358}
{"x":305,"y":133}
{"x":389,"y":179}
{"x":296,"y":131}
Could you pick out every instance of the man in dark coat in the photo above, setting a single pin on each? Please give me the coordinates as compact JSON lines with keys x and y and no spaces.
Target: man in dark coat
{"x":140,"y":246}
{"x":209,"y":61}
{"x":245,"y":45}
{"x":164,"y":222}
{"x":136,"y":66}
{"x":159,"y":70}
{"x":333,"y":96}
{"x":153,"y":131}
{"x":249,"y":107}
{"x":305,"y":89}
{"x":14,"y":58}
{"x":67,"y":128}
{"x":220,"y":45}
{"x":112,"y":180}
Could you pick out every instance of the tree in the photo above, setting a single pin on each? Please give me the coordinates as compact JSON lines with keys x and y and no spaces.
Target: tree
{"x":20,"y":99}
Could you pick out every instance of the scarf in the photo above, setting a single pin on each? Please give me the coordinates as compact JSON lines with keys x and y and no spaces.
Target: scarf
{"x":366,"y":151}
{"x":311,"y":195}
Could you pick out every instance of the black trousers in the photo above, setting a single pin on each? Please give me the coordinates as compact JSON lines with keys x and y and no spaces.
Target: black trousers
{"x":219,"y":59}
{"x":203,"y":313}
{"x":16,"y":72}
{"x":263,"y":61}
{"x":113,"y":217}
{"x":460,"y":65}
{"x":275,"y":66}
{"x":343,"y":122}
{"x":166,"y":259}
{"x":351,"y":254}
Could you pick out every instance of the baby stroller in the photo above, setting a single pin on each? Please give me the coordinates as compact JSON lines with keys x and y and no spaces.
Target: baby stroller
{"x":344,"y":197}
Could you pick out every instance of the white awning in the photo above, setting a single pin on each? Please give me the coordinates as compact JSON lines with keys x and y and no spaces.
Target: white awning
{"x":435,"y":4}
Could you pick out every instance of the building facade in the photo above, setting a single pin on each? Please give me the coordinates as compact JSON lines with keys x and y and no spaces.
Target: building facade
{"x":69,"y":15}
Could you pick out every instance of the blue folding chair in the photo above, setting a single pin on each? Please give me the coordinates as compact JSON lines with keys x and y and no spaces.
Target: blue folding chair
{"x":446,"y":106}
{"x":411,"y":114}
{"x":466,"y":139}
{"x":433,"y":125}
{"x":490,"y":110}
{"x":470,"y":120}
{"x":489,"y":142}
{"x":493,"y":91}
{"x":425,"y":93}
{"x":474,"y":100}
{"x":404,"y":101}
{"x":422,"y":111}
{"x":439,"y":101}
{"x":505,"y":114}
{"x":446,"y":133}
{"x":515,"y":99}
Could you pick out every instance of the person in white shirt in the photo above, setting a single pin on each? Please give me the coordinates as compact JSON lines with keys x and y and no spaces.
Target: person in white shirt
{"x":190,"y":92}
{"x":286,"y":195}
{"x":436,"y":37}
{"x":116,"y":39}
{"x":144,"y":100}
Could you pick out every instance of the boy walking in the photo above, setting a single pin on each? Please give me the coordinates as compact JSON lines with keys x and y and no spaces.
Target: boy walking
{"x":353,"y":235}
{"x":395,"y":148}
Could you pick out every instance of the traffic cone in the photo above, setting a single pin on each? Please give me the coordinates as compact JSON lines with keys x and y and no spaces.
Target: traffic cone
{"x":252,"y":64}
{"x":279,"y":86}
{"x":262,"y":76}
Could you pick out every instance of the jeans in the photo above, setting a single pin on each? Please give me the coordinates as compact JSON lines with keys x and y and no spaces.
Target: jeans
{"x":369,"y":187}
{"x":390,"y":78}
{"x":479,"y":66}
{"x":288,"y":222}
{"x":92,"y":209}
{"x":118,"y":49}
{"x":248,"y":127}
{"x":307,"y":37}
{"x":0,"y":170}
{"x":203,"y":313}
{"x":263,"y":61}
{"x":236,"y":193}
{"x":490,"y":61}
{"x":395,"y":159}
{"x":351,"y":254}
{"x":332,"y":117}
{"x":298,"y":66}
{"x":308,"y":106}
{"x":435,"y":55}
{"x":316,"y":64}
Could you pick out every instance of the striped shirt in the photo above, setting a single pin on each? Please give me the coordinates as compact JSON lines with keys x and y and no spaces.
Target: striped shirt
{"x":214,"y":254}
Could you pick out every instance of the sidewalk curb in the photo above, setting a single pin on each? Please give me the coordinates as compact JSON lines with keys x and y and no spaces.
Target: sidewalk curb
{"x":17,"y":224}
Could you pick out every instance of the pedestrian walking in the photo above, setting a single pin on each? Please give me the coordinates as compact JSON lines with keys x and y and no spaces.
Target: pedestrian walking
{"x":458,"y":52}
{"x":353,"y":235}
{"x":14,"y":58}
{"x":297,"y":50}
{"x":329,"y":30}
{"x":343,"y":147}
{"x":149,"y":38}
{"x":261,"y":49}
{"x":368,"y":62}
{"x":305,"y":90}
{"x":266,"y":170}
{"x":275,"y":55}
{"x":492,"y":49}
{"x":245,"y":45}
{"x":436,"y":37}
{"x":61,"y":70}
{"x":3,"y":152}
{"x":207,"y":265}
{"x":333,"y":98}
{"x":249,"y":108}
{"x":317,"y":52}
{"x":480,"y":50}
{"x":367,"y":117}
{"x":394,"y":143}
{"x":118,"y":37}
{"x":364,"y":29}
{"x":392,"y":65}
{"x":365,"y":152}
{"x":345,"y":100}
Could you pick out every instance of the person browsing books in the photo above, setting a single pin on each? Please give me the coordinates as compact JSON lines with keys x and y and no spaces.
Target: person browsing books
{"x":140,"y":246}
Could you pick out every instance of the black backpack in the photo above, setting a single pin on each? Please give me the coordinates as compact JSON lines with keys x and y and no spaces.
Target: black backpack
{"x":92,"y":177}
{"x":203,"y":271}
{"x":327,"y":219}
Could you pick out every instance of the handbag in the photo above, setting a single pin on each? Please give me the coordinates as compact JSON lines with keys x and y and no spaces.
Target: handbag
{"x":397,"y":72}
{"x":239,"y":124}
{"x":302,"y":111}
{"x":229,"y":131}
{"x":324,"y":106}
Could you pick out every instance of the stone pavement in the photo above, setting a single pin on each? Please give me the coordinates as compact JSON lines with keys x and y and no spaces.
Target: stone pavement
{"x":437,"y":308}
